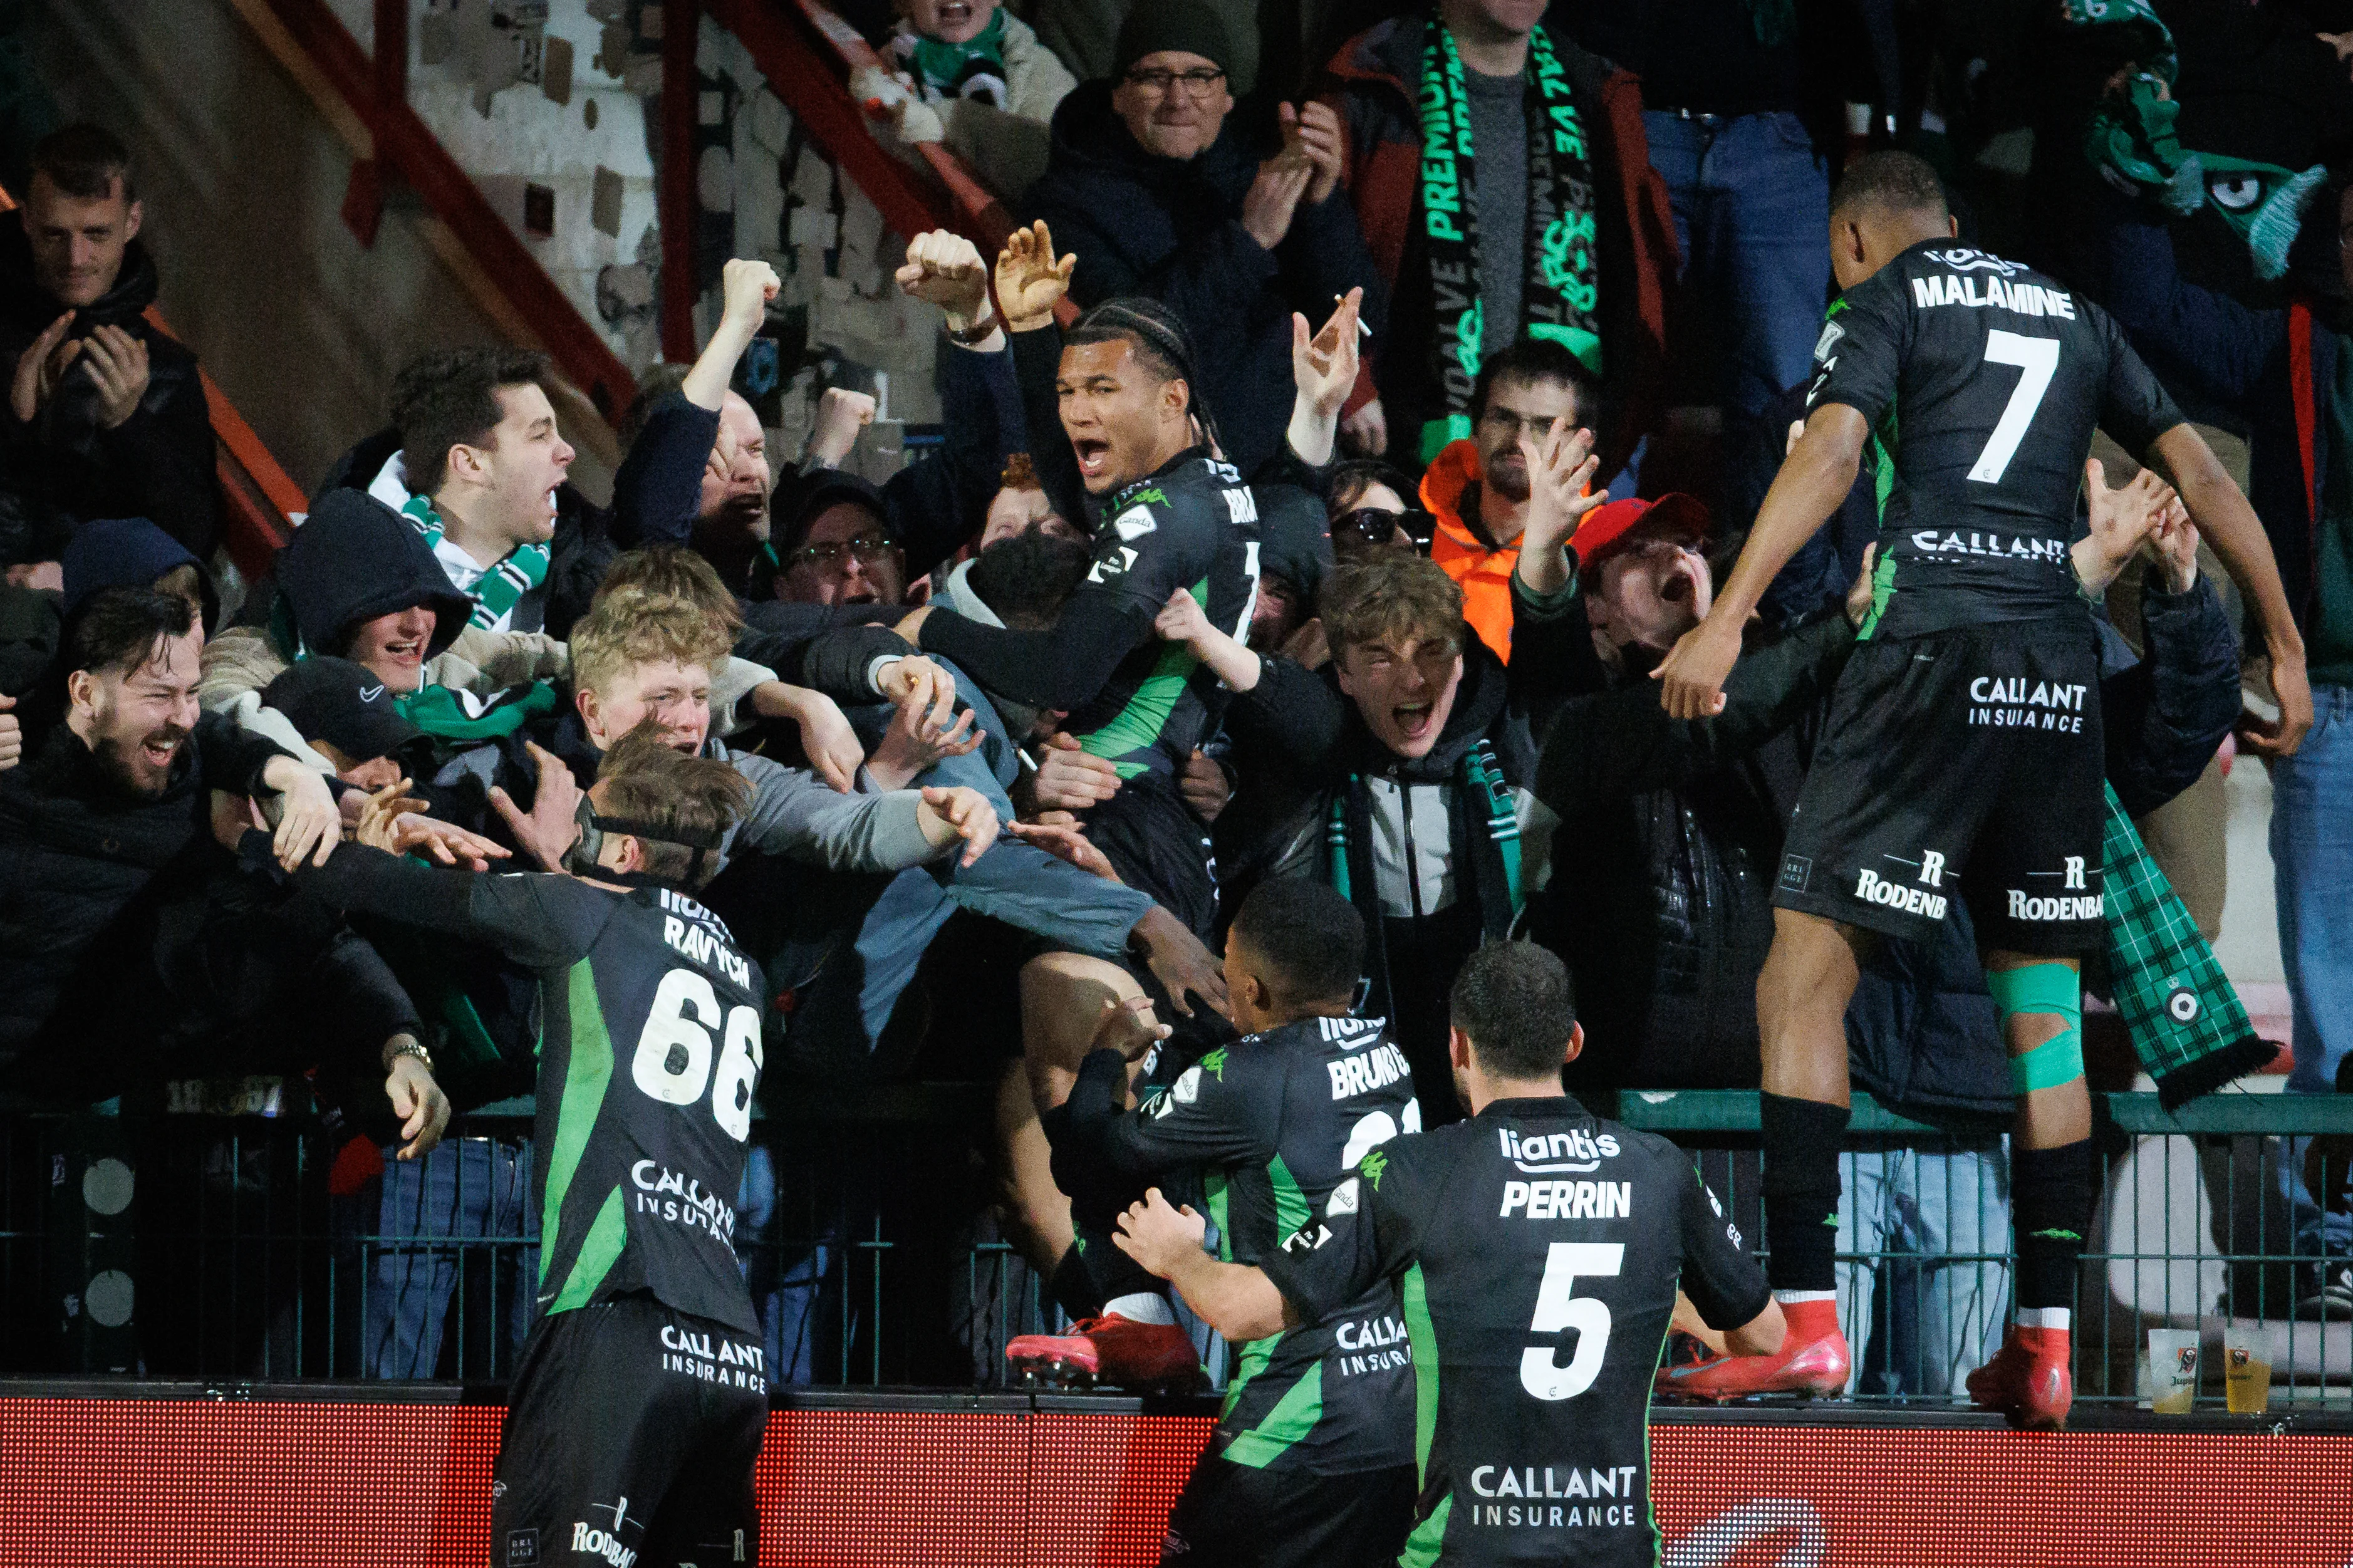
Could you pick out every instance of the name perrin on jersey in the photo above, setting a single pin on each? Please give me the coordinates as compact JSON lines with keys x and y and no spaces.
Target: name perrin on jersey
{"x":1982,"y":382}
{"x":1536,"y":1250}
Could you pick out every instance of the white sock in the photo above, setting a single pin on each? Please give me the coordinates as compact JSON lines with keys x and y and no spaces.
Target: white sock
{"x":1786,"y":1297}
{"x":2058,"y":1318}
{"x":1144,"y":1306}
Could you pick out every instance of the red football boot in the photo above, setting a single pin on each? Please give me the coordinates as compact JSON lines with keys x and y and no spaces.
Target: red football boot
{"x":1812,"y":1362}
{"x":2029,"y":1379}
{"x":1110,"y":1349}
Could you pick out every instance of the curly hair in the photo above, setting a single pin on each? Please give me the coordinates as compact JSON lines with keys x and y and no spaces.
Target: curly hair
{"x":627,"y":629}
{"x":1390,"y":598}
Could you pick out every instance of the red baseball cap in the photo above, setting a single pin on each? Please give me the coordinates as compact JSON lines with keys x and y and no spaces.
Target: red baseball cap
{"x":1617,"y":523}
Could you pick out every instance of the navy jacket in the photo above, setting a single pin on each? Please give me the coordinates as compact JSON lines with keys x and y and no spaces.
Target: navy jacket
{"x":2269,"y":373}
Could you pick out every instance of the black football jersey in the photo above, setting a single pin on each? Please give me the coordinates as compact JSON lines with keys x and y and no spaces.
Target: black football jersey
{"x":1982,"y":381}
{"x":1193,"y":526}
{"x":1536,"y":1251}
{"x":649,"y":1056}
{"x":1274,"y":1122}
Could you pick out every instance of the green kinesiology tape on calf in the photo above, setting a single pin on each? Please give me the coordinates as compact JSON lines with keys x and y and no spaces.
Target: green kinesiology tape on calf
{"x":2057,"y":1060}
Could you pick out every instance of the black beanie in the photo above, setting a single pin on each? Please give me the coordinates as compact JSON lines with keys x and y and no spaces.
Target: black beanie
{"x":1186,"y":25}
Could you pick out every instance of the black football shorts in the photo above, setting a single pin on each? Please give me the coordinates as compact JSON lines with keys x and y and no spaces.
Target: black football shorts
{"x":1966,"y":763}
{"x":630,"y":1436}
{"x":1232,"y":1516}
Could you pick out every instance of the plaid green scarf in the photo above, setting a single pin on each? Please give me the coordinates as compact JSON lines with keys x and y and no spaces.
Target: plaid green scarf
{"x":2186,"y":1023}
{"x":505,"y":584}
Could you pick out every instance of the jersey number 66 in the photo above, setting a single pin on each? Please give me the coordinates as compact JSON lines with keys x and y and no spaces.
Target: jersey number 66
{"x":673,"y":1059}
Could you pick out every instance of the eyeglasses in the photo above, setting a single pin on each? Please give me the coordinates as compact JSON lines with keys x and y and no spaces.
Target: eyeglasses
{"x":1198,"y":82}
{"x":1538,"y":427}
{"x":869,"y":548}
{"x":1374,"y":526}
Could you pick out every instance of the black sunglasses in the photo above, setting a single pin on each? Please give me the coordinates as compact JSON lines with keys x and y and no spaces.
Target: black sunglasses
{"x":1376,"y":526}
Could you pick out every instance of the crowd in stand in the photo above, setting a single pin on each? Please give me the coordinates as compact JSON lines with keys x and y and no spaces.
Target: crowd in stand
{"x":1333,"y":540}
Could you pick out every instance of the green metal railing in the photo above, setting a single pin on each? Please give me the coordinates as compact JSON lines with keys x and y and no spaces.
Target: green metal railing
{"x":263,"y":1247}
{"x":272,"y":1247}
{"x":2193,"y":1230}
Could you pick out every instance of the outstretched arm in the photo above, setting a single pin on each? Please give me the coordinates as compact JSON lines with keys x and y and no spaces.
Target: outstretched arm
{"x":1811,"y":484}
{"x":1183,"y":620}
{"x":1235,"y":1298}
{"x":2230,"y":526}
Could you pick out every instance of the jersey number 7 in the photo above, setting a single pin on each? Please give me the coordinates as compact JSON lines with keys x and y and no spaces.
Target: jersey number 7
{"x":673,"y":1058}
{"x":2038,"y":361}
{"x":1560,"y":1308}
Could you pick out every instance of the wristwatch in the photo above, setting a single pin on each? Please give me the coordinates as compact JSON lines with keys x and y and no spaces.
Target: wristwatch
{"x":981,"y":327}
{"x":407,"y":1047}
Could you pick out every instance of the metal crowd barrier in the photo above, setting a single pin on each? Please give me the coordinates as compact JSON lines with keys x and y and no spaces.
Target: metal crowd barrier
{"x":267,"y":1246}
{"x":2194,"y":1230}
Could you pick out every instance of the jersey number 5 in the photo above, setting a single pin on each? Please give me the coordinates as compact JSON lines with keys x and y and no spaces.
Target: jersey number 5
{"x":673,"y":1059}
{"x":2038,"y":361}
{"x":1560,"y":1308}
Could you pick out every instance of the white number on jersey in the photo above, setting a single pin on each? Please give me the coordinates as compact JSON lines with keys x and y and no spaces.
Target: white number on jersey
{"x":673,"y":1056}
{"x":1560,"y":1308}
{"x":2038,"y":359}
{"x":1374,"y":1130}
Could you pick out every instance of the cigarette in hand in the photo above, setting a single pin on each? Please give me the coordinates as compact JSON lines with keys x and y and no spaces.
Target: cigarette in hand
{"x":1364,"y":328}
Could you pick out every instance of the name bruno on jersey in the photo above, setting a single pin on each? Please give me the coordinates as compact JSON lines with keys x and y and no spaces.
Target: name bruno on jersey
{"x":1275,"y":1123}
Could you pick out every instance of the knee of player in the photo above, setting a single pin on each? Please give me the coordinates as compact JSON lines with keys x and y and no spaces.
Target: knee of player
{"x":2042,"y":1007}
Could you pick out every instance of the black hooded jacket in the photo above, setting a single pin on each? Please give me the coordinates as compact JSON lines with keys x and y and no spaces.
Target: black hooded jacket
{"x":1171,"y":228}
{"x":63,"y":469}
{"x":1671,"y":834}
{"x":353,"y":559}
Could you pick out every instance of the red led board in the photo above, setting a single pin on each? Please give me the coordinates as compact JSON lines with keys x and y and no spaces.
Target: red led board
{"x":190,"y":1484}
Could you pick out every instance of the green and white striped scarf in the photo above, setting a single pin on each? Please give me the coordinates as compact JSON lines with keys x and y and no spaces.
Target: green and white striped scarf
{"x":504,"y":586}
{"x":1487,"y":802}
